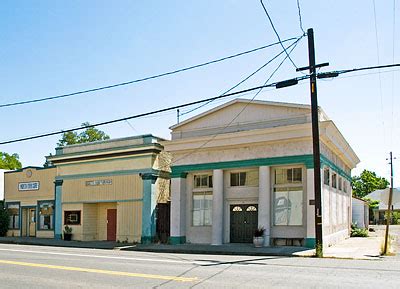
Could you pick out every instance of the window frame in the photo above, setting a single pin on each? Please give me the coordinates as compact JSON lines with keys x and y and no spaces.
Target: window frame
{"x":79,"y":217}
{"x":246,"y":174}
{"x":39,"y":214}
{"x":19,"y":215}
{"x":201,"y":187}
{"x":334,"y":176}
{"x":203,"y":193}
{"x":327,"y":178}
{"x":287,"y":186}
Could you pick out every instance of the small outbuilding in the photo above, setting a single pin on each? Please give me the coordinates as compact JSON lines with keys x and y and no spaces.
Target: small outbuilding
{"x":360,"y":212}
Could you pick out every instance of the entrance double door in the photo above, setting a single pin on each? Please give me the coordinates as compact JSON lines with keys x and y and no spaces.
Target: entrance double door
{"x":244,"y":221}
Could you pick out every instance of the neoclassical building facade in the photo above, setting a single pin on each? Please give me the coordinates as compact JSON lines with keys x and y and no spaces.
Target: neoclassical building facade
{"x":244,"y":165}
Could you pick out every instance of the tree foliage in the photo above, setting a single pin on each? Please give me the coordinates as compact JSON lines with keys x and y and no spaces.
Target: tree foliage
{"x":90,"y":134}
{"x":366,"y":183}
{"x":9,"y":162}
{"x":4,"y":220}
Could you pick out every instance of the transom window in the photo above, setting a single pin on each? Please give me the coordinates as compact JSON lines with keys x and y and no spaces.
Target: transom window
{"x":237,"y":209}
{"x":203,"y":181}
{"x":240,"y":179}
{"x":326,"y":176}
{"x":334,"y":177}
{"x":288,"y":176}
{"x":251,"y":209}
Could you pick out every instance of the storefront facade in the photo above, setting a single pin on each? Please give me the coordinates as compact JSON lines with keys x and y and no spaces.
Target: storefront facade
{"x":29,"y":198}
{"x":231,"y":176}
{"x":109,"y":190}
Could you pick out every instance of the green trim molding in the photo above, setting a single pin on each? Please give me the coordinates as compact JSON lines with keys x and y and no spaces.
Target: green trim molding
{"x":182,"y":170}
{"x":177,"y":240}
{"x":108,"y":174}
{"x":104,"y":201}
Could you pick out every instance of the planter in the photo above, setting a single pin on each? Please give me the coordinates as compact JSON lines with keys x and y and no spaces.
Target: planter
{"x":258,"y":242}
{"x":67,"y":237}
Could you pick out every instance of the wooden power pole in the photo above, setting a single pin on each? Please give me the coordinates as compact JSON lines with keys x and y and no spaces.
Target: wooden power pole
{"x":388,"y":212}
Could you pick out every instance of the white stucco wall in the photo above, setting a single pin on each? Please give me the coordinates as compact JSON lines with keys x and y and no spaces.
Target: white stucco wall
{"x":360,"y":213}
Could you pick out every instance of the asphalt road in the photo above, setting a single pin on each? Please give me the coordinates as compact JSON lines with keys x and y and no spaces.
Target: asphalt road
{"x":50,"y":267}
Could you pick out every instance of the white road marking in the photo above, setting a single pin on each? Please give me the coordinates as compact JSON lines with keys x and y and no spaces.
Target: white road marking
{"x":109,"y":257}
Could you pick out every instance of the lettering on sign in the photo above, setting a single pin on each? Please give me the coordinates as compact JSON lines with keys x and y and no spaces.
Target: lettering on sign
{"x":30,"y":186}
{"x":98,"y":182}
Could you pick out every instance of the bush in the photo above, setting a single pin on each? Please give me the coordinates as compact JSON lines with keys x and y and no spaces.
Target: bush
{"x":4,"y":221}
{"x":358,"y":232}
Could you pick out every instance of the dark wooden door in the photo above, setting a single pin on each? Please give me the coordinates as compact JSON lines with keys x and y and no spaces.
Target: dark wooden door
{"x":244,"y":221}
{"x":111,"y":224}
{"x":163,"y":222}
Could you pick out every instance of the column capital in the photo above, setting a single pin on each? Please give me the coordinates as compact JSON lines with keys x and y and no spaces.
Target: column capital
{"x":58,"y":182}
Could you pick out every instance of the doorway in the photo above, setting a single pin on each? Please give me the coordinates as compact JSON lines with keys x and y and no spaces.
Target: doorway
{"x":244,"y":221}
{"x":111,"y":224}
{"x":28,"y":228}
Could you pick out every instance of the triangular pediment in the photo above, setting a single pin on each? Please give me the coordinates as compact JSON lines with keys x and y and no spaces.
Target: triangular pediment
{"x":247,"y":115}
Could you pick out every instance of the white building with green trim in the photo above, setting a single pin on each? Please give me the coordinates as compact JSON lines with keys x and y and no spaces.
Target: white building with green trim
{"x":244,"y":165}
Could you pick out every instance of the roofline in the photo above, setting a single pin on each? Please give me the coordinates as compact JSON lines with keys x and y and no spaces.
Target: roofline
{"x":29,"y":167}
{"x":237,"y":100}
{"x":112,"y":140}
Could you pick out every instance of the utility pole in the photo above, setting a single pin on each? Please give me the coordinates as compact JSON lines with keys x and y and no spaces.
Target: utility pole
{"x":315,"y":139}
{"x":388,"y":212}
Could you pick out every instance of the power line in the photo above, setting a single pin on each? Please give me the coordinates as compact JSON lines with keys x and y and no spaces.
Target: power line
{"x":277,"y":34}
{"x":240,"y":112}
{"x":246,"y":78}
{"x":379,"y":74}
{"x":145,"y":78}
{"x":300,"y":21}
{"x":138,"y":115}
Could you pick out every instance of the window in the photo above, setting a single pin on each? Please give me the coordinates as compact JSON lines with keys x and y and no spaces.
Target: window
{"x":345,"y":186}
{"x":334,"y":185}
{"x":202,"y":181}
{"x":326,"y":176}
{"x":72,"y":217}
{"x":340,"y":183}
{"x":288,"y":206}
{"x":240,"y":179}
{"x":46,"y":215}
{"x":13,"y":211}
{"x":288,"y":176}
{"x":288,"y":197}
{"x":202,"y":208}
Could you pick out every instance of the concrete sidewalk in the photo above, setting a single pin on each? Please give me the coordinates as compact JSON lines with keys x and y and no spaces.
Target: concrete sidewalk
{"x":60,"y":243}
{"x":351,"y":248}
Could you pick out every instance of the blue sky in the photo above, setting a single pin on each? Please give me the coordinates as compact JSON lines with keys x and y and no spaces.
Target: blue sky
{"x":55,"y":47}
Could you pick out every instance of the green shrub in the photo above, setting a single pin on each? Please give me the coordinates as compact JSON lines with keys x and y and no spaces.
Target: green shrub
{"x":4,"y":221}
{"x":358,"y":232}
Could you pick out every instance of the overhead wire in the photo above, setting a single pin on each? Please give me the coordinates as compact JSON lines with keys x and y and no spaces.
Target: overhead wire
{"x":240,"y":112}
{"x":300,"y":20}
{"x":145,"y":78}
{"x":379,"y":75}
{"x":246,"y":78}
{"x":277,"y":34}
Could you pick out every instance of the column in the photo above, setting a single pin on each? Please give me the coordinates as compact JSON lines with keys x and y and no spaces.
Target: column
{"x":178,"y":209}
{"x":149,"y":204}
{"x":58,"y":209}
{"x":264,"y":202}
{"x":310,"y":234}
{"x":217,"y":207}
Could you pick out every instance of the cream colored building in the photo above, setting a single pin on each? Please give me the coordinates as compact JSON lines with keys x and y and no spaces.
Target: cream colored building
{"x":29,"y":197}
{"x":108,"y":190}
{"x":245,"y":165}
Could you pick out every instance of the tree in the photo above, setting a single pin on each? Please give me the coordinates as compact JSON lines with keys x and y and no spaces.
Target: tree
{"x":90,"y":134}
{"x":366,"y":183}
{"x":4,"y":220}
{"x":9,"y":162}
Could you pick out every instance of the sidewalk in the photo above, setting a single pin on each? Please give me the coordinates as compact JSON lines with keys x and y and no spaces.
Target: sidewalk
{"x":351,"y":248}
{"x":60,"y":243}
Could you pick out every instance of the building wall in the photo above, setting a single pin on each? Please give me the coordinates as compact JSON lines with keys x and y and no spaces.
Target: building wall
{"x":46,"y":188}
{"x":360,"y":213}
{"x":123,"y":187}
